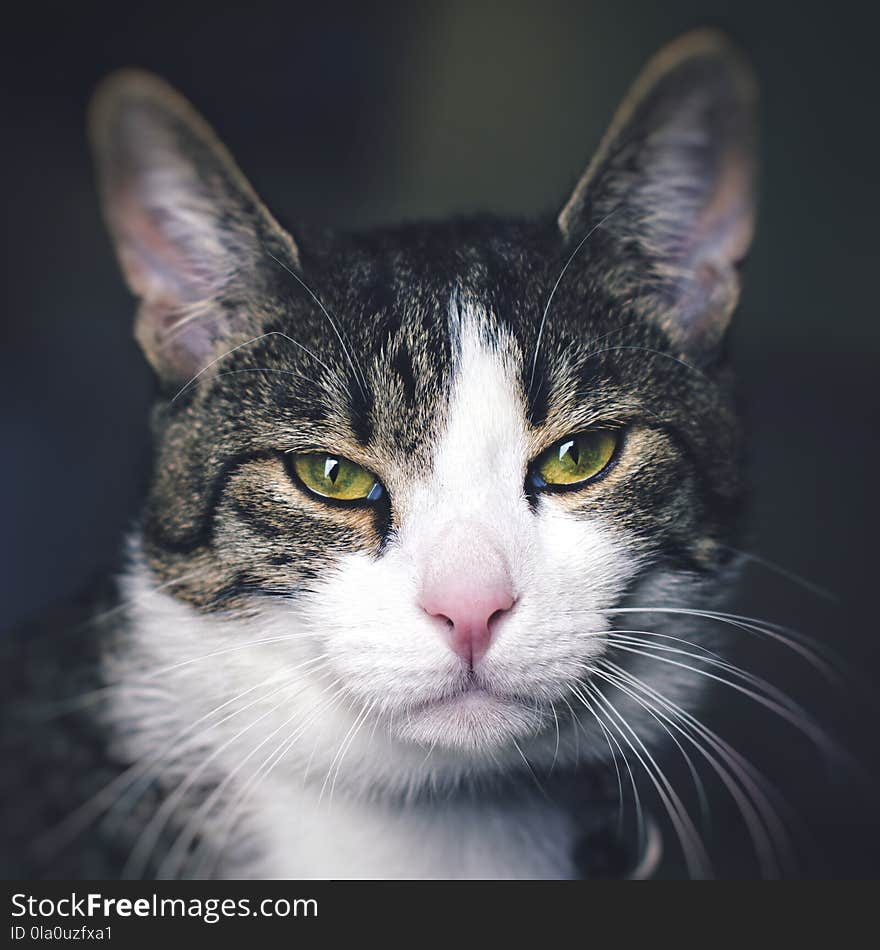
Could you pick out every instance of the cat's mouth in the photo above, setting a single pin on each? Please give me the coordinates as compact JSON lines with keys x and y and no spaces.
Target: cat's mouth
{"x":471,"y":690}
{"x":471,"y":695}
{"x":474,"y":717}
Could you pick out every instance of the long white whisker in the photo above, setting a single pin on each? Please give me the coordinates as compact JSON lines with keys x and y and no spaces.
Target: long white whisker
{"x":604,"y":634}
{"x":189,"y":831}
{"x":240,"y":346}
{"x":348,"y":745}
{"x":759,"y":781}
{"x":754,"y":785}
{"x":358,"y":375}
{"x":757,"y":682}
{"x":763,"y":847}
{"x":655,"y":352}
{"x":609,"y":737}
{"x":111,"y":794}
{"x":237,"y":806}
{"x":556,"y":726}
{"x":695,"y":776}
{"x":145,"y":773}
{"x":146,"y":842}
{"x":163,"y":671}
{"x":784,"y":572}
{"x":146,"y":676}
{"x":803,"y":725}
{"x":138,"y":599}
{"x":529,"y":768}
{"x":352,"y":731}
{"x":571,"y":257}
{"x":692,"y":845}
{"x":261,"y":370}
{"x":780,"y":634}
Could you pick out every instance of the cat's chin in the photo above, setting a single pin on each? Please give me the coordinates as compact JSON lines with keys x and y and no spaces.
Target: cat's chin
{"x":475,"y":720}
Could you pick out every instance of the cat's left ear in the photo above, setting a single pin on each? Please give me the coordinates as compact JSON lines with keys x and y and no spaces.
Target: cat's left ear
{"x":669,"y":196}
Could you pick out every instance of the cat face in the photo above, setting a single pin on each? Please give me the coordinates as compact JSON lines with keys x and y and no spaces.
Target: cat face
{"x":419,"y":469}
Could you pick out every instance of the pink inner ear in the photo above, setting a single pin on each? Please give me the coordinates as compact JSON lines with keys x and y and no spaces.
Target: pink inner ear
{"x":178,"y":343}
{"x":726,"y":224}
{"x":157,"y":265}
{"x":176,"y":325}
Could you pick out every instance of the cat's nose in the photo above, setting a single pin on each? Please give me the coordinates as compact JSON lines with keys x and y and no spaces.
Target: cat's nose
{"x":470,"y":589}
{"x":471,"y":612}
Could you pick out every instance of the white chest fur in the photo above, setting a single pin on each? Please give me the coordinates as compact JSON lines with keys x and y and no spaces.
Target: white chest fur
{"x":307,"y":837}
{"x":182,"y":726}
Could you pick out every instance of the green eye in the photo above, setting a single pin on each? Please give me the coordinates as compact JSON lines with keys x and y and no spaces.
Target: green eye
{"x":574,"y":459}
{"x":332,"y":476}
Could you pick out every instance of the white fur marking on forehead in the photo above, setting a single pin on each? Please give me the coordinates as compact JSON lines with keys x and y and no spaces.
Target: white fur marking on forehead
{"x":481,"y":453}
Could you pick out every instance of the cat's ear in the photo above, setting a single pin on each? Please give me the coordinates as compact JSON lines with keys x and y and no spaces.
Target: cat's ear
{"x":190,"y":233}
{"x":670,"y":193}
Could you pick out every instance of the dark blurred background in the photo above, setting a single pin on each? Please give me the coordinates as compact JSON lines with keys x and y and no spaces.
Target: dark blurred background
{"x":353,"y":115}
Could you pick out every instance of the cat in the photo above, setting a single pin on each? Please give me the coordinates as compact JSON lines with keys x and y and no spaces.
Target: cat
{"x":424,"y":502}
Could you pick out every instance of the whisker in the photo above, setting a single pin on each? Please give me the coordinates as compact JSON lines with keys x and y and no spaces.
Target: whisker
{"x":758,"y":778}
{"x":804,"y":725}
{"x":784,"y":572}
{"x":139,"y":599}
{"x":237,"y":806}
{"x":776,"y":632}
{"x":556,"y":726}
{"x":772,"y":835}
{"x":530,"y":770}
{"x":163,"y":671}
{"x":352,"y":731}
{"x":763,"y":847}
{"x":74,"y":824}
{"x":143,"y":773}
{"x":358,"y":375}
{"x":177,"y":851}
{"x":256,"y":339}
{"x":695,"y":777}
{"x":572,"y":256}
{"x":314,"y":664}
{"x":651,"y":350}
{"x":692,"y":845}
{"x":102,"y":692}
{"x":347,"y":746}
{"x":609,"y":738}
{"x":148,"y":839}
{"x":773,"y":692}
{"x":261,"y":370}
{"x":599,"y":634}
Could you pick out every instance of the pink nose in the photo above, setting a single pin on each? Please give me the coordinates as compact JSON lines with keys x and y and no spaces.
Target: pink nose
{"x":471,"y":597}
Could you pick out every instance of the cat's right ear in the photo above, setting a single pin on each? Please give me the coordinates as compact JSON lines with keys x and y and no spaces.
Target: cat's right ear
{"x":190,"y":233}
{"x":669,"y":196}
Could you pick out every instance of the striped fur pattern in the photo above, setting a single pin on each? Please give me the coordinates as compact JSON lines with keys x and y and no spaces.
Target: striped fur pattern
{"x":444,"y":358}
